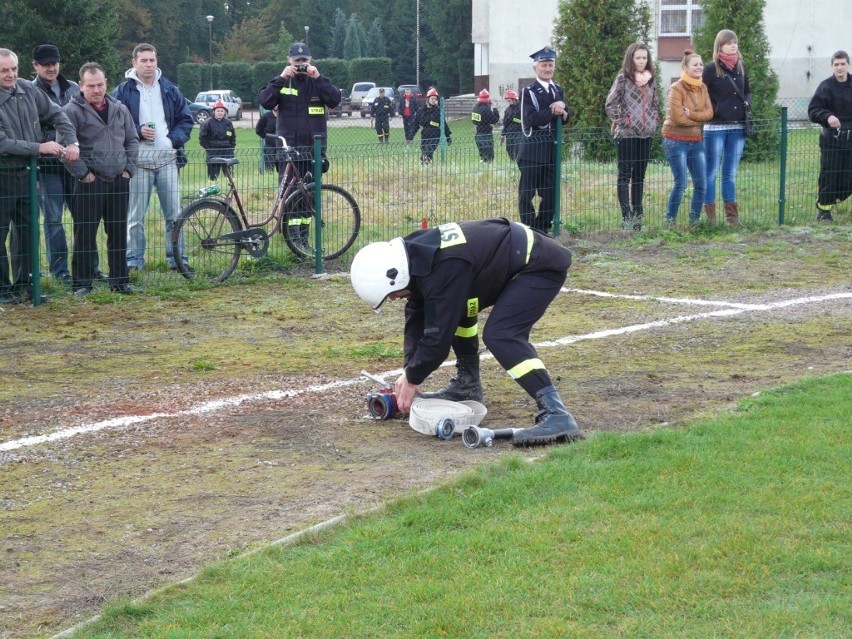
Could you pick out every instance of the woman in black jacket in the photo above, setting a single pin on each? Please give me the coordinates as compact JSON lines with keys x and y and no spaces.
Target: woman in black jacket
{"x":831,"y":108}
{"x":724,"y":136}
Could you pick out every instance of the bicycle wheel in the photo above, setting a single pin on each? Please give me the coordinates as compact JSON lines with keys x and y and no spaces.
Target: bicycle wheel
{"x":200,"y":229}
{"x":341,"y":222}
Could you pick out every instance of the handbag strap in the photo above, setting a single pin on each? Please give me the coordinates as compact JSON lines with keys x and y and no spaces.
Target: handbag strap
{"x":737,"y":91}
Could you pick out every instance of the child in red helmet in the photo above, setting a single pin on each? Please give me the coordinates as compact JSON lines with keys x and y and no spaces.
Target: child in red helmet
{"x":484,"y":117}
{"x":429,"y":119}
{"x":217,"y":137}
{"x":511,"y":125}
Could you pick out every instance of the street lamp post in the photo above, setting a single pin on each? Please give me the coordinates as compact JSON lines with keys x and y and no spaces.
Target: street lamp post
{"x":210,"y":49}
{"x":417,"y":46}
{"x":307,"y":28}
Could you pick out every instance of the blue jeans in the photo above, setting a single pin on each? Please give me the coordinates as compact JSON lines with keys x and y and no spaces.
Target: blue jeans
{"x":165,"y":178}
{"x":683,"y":157}
{"x":726,"y":146}
{"x":55,"y":189}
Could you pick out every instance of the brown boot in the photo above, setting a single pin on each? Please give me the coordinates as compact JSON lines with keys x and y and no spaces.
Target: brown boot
{"x":732,"y":214}
{"x":710,"y":213}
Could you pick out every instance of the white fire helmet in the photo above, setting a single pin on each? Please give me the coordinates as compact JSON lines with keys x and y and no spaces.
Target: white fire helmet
{"x":378,"y":270}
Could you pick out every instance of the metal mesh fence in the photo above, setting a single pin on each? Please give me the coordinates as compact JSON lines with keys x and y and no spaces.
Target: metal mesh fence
{"x":396,"y":192}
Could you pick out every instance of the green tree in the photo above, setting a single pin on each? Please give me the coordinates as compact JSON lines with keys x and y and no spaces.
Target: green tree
{"x":376,"y":44}
{"x":249,"y":42}
{"x":745,"y":18}
{"x":448,"y":50}
{"x":401,"y":38}
{"x":279,"y":49}
{"x":84,"y":31}
{"x":355,"y":44}
{"x":337,"y":34}
{"x":590,"y":37}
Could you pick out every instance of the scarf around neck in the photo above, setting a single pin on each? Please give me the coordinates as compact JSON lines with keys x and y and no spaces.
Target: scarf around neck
{"x":729,"y":60}
{"x":693,"y":84}
{"x":641,"y":79}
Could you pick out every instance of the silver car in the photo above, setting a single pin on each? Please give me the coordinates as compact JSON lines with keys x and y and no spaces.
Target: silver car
{"x":232,"y":101}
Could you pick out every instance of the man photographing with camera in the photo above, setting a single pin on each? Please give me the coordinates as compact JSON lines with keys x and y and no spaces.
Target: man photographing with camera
{"x":302,"y":96}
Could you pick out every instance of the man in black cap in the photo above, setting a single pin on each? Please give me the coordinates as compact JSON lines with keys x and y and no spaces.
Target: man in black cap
{"x":23,"y":111}
{"x":542,"y":103}
{"x":56,"y":186}
{"x":302,"y":96}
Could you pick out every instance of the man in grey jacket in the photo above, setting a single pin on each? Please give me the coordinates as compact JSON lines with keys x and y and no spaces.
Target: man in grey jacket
{"x":24,"y":109}
{"x":108,"y":150}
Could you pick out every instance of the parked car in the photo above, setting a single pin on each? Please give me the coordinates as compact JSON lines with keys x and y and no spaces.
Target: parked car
{"x":372,"y":94}
{"x":200,"y":112}
{"x":232,"y":101}
{"x":344,"y":108}
{"x":359,"y":90}
{"x":415,"y":89}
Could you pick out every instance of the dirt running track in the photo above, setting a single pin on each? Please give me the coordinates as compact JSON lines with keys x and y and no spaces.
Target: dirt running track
{"x":123,"y":510}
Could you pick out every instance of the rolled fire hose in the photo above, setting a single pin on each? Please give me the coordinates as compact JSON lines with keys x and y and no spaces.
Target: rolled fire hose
{"x":442,"y":418}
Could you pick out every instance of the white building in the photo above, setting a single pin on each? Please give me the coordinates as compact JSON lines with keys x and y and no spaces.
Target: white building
{"x":802,"y":35}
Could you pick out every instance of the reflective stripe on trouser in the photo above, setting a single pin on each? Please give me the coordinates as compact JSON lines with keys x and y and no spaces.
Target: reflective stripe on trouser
{"x":466,"y":338}
{"x":506,"y":333}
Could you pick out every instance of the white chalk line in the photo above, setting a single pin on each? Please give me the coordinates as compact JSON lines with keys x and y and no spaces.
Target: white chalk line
{"x":207,"y":407}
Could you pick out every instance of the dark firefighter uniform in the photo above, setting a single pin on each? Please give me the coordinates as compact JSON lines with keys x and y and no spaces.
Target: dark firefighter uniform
{"x":302,"y":102}
{"x":536,"y":155}
{"x":484,"y":118}
{"x":428,"y":119}
{"x":380,"y":111}
{"x":833,"y":97}
{"x":512,"y":130}
{"x":457,"y":270}
{"x":217,"y":137}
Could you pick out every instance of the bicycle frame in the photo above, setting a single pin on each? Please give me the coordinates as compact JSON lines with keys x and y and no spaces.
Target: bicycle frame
{"x":288,"y":183}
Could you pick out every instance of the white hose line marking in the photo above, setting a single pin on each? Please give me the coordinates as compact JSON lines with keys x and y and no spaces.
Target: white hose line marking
{"x":207,"y":407}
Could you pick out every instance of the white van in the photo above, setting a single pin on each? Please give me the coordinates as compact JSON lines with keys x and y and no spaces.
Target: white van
{"x":359,"y":90}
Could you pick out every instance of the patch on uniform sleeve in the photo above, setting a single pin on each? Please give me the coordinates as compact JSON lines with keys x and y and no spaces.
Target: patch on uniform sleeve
{"x":451,"y":235}
{"x":473,"y":307}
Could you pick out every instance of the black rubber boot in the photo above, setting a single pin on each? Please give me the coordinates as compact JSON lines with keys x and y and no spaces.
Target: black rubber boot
{"x":466,"y":383}
{"x":553,"y":423}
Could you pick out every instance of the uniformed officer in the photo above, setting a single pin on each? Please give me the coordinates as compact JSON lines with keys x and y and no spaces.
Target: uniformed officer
{"x":428,"y":118}
{"x":542,"y":103}
{"x":484,"y":117}
{"x":380,"y":111}
{"x":302,"y":96}
{"x":450,"y":273}
{"x":511,"y":133}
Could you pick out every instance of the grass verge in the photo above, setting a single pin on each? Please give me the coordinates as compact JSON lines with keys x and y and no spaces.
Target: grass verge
{"x":734,"y":527}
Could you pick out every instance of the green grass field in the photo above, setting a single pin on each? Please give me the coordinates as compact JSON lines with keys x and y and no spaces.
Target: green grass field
{"x":737,"y":526}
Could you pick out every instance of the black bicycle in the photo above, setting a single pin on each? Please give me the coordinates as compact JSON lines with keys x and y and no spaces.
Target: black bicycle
{"x":212,"y":234}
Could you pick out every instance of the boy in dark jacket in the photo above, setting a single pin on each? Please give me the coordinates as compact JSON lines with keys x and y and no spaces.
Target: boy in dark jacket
{"x":218,"y":138}
{"x":428,"y":118}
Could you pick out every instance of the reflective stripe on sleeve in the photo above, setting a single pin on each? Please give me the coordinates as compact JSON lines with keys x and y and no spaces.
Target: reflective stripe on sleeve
{"x":525,"y":367}
{"x":288,"y":91}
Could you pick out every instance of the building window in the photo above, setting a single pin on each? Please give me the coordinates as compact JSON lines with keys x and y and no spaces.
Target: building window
{"x":680,"y":17}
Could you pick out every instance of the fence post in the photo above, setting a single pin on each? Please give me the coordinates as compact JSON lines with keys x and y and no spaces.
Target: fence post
{"x":782,"y":178}
{"x":557,"y":179}
{"x":319,"y":264}
{"x":35,"y":238}
{"x":441,"y":121}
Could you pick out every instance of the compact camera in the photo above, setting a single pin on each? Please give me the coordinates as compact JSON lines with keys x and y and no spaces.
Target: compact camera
{"x":301,"y":68}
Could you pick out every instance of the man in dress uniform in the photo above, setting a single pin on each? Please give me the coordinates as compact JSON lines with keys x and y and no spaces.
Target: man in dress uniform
{"x":542,"y":103}
{"x":448,"y":274}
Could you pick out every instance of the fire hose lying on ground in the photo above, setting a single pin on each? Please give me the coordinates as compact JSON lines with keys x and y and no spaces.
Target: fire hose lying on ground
{"x":440,"y":418}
